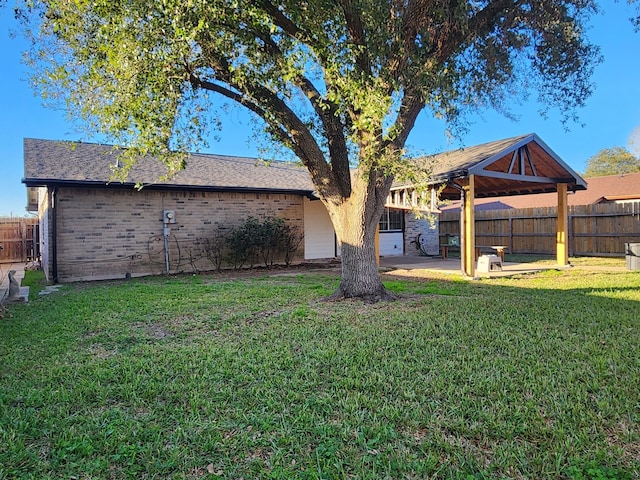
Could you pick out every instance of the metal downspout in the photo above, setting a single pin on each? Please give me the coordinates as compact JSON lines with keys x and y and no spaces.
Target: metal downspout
{"x":54,"y":235}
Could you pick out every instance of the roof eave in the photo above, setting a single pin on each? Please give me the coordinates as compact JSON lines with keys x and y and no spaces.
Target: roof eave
{"x":612,"y":198}
{"x":45,"y":182}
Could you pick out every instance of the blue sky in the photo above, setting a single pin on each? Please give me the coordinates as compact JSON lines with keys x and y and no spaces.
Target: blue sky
{"x":610,"y":118}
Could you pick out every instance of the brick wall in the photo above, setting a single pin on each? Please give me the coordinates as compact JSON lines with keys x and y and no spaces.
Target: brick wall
{"x":107,"y":233}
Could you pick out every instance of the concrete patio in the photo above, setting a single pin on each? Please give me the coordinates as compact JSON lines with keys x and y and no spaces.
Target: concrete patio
{"x":398,"y":264}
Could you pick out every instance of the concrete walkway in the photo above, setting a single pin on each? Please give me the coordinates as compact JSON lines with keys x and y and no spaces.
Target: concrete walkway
{"x":5,"y":268}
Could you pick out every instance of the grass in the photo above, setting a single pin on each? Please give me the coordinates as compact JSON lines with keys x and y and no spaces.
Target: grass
{"x":551,"y":260}
{"x":195,"y":377}
{"x":575,"y":261}
{"x":35,"y":280}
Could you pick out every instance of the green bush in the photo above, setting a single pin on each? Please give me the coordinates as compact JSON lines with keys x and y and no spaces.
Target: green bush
{"x":262,"y":241}
{"x":213,"y":248}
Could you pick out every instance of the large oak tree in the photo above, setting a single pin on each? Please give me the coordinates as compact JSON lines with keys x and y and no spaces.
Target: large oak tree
{"x":338,"y":82}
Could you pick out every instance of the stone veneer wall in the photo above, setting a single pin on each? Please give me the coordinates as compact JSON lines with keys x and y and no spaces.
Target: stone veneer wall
{"x":424,"y":226}
{"x":111,"y":232}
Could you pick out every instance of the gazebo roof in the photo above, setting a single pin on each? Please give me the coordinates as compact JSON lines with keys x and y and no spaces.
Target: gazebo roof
{"x":513,"y":166}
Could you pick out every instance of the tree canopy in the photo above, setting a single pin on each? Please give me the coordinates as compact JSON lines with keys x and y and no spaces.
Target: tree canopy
{"x":612,"y":161}
{"x":338,"y":82}
{"x":636,"y":20}
{"x":342,"y":80}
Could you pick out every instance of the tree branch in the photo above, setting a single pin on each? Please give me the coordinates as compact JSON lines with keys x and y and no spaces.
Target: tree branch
{"x":358,"y":36}
{"x":452,"y":36}
{"x":410,"y":107}
{"x":277,"y":130}
{"x":334,"y":133}
{"x":445,"y":38}
{"x":282,"y":121}
{"x":327,"y":112}
{"x":285,"y":23}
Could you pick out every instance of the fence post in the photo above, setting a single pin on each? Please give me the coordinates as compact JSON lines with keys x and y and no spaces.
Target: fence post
{"x":571,"y":235}
{"x":23,"y":239}
{"x":511,"y":232}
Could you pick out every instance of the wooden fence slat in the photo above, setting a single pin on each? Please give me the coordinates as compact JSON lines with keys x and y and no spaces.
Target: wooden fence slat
{"x":600,"y":229}
{"x":19,"y":239}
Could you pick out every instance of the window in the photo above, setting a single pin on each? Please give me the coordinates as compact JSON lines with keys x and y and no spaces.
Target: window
{"x":392,"y":220}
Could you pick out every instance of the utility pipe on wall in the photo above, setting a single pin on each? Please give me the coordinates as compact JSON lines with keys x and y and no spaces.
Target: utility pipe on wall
{"x":165,"y":234}
{"x":53,"y":235}
{"x":168,"y":216}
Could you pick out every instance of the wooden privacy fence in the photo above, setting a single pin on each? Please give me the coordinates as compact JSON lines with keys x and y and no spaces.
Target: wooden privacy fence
{"x":594,"y":230}
{"x":19,"y":239}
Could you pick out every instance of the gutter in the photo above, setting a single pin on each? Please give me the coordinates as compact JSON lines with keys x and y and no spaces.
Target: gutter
{"x":36,"y":182}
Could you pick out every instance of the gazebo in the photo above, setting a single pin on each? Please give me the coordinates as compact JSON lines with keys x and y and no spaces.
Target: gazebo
{"x":513,"y":166}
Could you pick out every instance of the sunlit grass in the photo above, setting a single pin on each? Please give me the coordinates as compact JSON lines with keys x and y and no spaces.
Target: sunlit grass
{"x":535,"y":376}
{"x":575,"y":261}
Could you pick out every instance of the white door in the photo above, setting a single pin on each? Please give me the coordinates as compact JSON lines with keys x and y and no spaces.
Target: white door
{"x":391,"y":243}
{"x":319,"y":236}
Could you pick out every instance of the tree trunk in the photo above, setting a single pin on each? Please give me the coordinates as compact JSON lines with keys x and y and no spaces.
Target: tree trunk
{"x":355,"y":221}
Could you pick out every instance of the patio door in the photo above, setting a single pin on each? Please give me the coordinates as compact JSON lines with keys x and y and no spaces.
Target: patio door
{"x":392,"y":232}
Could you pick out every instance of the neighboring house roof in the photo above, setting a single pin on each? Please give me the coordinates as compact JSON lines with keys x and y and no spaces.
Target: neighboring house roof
{"x":599,"y":189}
{"x":512,"y":166}
{"x":50,"y":162}
{"x":612,"y":187}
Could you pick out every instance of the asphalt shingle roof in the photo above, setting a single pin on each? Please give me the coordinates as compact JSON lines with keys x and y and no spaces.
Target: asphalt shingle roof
{"x":462,"y":159}
{"x":49,"y":162}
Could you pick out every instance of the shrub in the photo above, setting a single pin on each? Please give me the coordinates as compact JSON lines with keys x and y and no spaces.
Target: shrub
{"x":213,"y":248}
{"x":242,"y":243}
{"x":291,"y":239}
{"x":262,"y":240}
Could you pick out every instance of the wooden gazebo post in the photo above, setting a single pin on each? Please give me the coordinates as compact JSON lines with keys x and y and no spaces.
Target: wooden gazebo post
{"x":562,"y":247}
{"x":468,"y":231}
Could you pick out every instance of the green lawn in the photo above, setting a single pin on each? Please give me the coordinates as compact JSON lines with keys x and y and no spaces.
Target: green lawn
{"x":619,"y":262}
{"x":535,"y":377}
